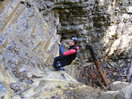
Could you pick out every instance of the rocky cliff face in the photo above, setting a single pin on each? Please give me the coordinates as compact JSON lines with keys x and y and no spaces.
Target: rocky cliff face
{"x":30,"y":29}
{"x":27,"y":41}
{"x":104,"y":24}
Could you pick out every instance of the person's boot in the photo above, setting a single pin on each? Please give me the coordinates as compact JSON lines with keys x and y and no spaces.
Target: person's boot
{"x":60,"y":68}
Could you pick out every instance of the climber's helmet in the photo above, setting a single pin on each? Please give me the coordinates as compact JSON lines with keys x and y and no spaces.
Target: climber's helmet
{"x":75,"y":39}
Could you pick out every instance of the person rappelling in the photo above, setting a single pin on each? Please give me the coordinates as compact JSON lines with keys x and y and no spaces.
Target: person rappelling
{"x":66,"y":57}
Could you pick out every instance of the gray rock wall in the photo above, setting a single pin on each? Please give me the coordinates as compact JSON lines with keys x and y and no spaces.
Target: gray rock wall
{"x":27,"y":39}
{"x":28,"y":34}
{"x":104,"y":24}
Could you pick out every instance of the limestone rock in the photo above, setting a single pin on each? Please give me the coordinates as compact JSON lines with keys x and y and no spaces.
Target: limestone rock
{"x":124,"y":93}
{"x":5,"y":91}
{"x":57,"y":85}
{"x":117,"y":85}
{"x":28,"y":43}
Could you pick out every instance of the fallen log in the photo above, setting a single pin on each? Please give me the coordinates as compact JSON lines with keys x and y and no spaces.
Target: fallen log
{"x":97,"y":64}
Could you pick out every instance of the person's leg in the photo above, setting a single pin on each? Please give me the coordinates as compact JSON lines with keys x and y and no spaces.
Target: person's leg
{"x":65,"y":62}
{"x":57,"y":60}
{"x":61,"y":64}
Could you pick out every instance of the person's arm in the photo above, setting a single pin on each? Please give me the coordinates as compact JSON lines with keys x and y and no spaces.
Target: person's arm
{"x":69,"y":52}
{"x":61,"y":49}
{"x":65,"y":53}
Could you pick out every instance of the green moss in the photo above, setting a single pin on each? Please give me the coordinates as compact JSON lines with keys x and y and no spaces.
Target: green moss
{"x":58,"y":86}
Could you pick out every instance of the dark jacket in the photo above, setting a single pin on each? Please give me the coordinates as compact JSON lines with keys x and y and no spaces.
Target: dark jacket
{"x":71,"y":54}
